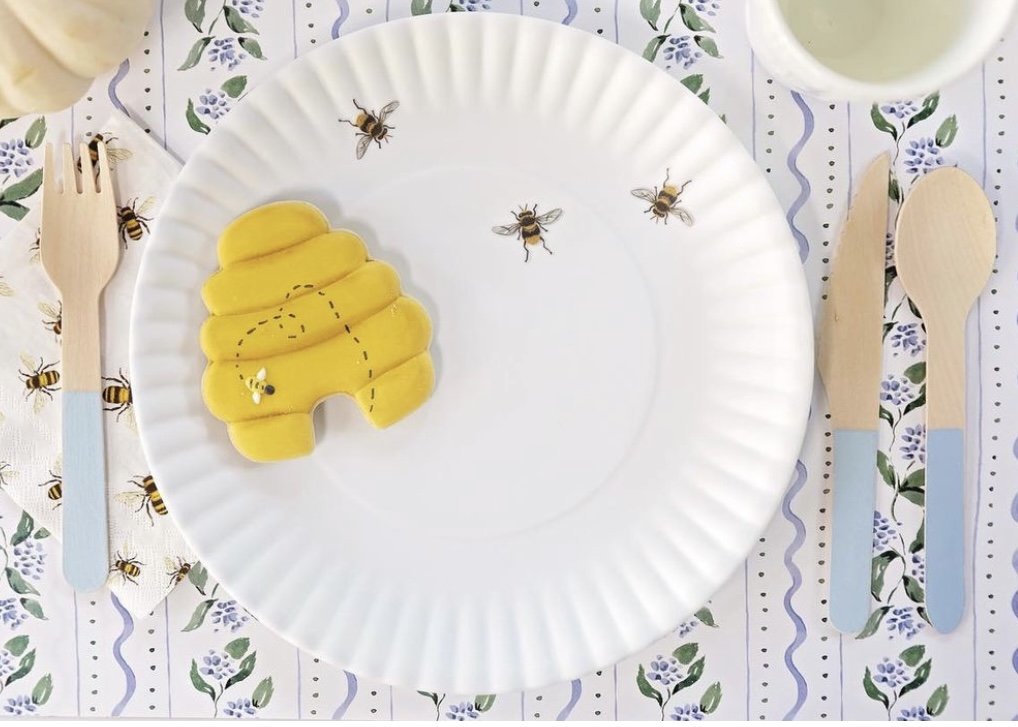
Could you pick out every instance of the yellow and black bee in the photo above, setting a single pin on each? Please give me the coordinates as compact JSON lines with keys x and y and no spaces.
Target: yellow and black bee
{"x":529,"y":227}
{"x":258,"y":386}
{"x":131,"y":220}
{"x":177,"y":571}
{"x":127,"y":567}
{"x":372,"y":126}
{"x":5,"y":472}
{"x":54,"y":317}
{"x":117,"y":393}
{"x":148,"y":497}
{"x":54,"y":487}
{"x":40,"y":380}
{"x":666,"y":201}
{"x":113,"y":153}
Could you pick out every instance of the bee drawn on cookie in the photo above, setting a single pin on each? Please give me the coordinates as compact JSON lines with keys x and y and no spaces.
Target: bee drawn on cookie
{"x":371,"y":126}
{"x":40,"y":380}
{"x":665,"y":202}
{"x":131,"y":220}
{"x":529,"y":227}
{"x":259,"y":386}
{"x":53,"y":317}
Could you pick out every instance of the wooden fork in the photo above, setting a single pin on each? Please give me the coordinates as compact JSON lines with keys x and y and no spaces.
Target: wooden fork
{"x":80,"y":250}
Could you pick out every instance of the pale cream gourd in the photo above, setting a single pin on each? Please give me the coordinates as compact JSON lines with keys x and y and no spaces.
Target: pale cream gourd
{"x":52,"y":50}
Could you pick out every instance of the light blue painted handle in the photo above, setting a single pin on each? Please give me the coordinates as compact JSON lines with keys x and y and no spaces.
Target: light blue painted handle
{"x":86,"y":554}
{"x":945,"y":527}
{"x":855,"y":460}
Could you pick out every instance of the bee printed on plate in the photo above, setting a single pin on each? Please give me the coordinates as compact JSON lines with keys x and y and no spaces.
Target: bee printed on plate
{"x":147,"y":497}
{"x":114,"y":154}
{"x":529,"y":227}
{"x":53,"y":317}
{"x":40,"y":380}
{"x":126,"y":567}
{"x":665,"y":202}
{"x":131,"y":220}
{"x":258,"y":385}
{"x":118,"y":397}
{"x":371,"y":126}
{"x":177,"y":570}
{"x":54,"y":486}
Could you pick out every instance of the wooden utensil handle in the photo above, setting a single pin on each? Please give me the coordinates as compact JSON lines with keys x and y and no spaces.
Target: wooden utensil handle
{"x":945,"y":374}
{"x":80,"y":364}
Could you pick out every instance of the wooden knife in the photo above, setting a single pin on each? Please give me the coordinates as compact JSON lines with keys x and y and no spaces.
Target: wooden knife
{"x":849,"y":360}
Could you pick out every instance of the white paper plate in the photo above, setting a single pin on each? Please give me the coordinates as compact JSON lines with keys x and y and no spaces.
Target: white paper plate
{"x":612,"y":426}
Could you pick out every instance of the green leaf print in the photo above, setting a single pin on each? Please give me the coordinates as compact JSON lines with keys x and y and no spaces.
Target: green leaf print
{"x":17,"y":583}
{"x":872,"y":691}
{"x":692,"y":677}
{"x":887,"y":416}
{"x":234,"y":86}
{"x":693,"y":21}
{"x":17,"y":645}
{"x":41,"y":534}
{"x":947,"y":131}
{"x":930,"y":104}
{"x":705,"y":96}
{"x":650,"y":10}
{"x":244,"y":671}
{"x":885,"y":468}
{"x":24,"y":666}
{"x":5,"y":122}
{"x":194,"y":11}
{"x":922,"y":675}
{"x":916,"y":497}
{"x":645,"y":687}
{"x":879,"y":569}
{"x":252,"y":47}
{"x":484,"y":702}
{"x":937,"y":702}
{"x":237,"y":22}
{"x":916,"y":373}
{"x":238,"y":647}
{"x":198,"y":576}
{"x":883,"y":124}
{"x":913,"y":590}
{"x":873,"y":623}
{"x":917,"y":402}
{"x":200,"y":612}
{"x":693,"y":82}
{"x":193,"y":121}
{"x":36,"y":133}
{"x":920,"y":540}
{"x":894,"y":190}
{"x":711,"y":698}
{"x":24,"y":530}
{"x":23,"y":189}
{"x":913,"y":655}
{"x":43,"y":690}
{"x":653,"y":46}
{"x":200,"y":684}
{"x":194,"y":55}
{"x":708,"y":45}
{"x":686,"y":653}
{"x":705,"y":617}
{"x":13,"y":210}
{"x":263,"y":693}
{"x":33,"y":607}
{"x":420,"y":7}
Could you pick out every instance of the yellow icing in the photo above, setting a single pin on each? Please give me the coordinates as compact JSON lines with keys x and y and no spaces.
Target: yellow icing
{"x":303,"y":310}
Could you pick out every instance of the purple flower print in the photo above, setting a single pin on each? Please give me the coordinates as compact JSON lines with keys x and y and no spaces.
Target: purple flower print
{"x":913,"y":448}
{"x":896,"y":391}
{"x":922,"y":155}
{"x":681,"y":50}
{"x":686,"y":713}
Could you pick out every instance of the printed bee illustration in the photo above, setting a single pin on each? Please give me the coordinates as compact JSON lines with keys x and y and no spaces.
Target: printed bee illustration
{"x":54,"y":486}
{"x":666,"y":201}
{"x":131,"y":220}
{"x":40,"y":380}
{"x":258,"y":386}
{"x":54,"y":317}
{"x":5,"y":472}
{"x":177,"y":570}
{"x":113,"y":153}
{"x":5,"y":289}
{"x":148,"y":499}
{"x":372,"y":126}
{"x":117,"y":393}
{"x":529,"y":227}
{"x":33,"y":249}
{"x":127,"y":567}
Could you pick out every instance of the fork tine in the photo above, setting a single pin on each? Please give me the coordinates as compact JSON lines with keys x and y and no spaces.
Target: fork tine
{"x":88,"y":180}
{"x":105,"y":183}
{"x":70,"y":174}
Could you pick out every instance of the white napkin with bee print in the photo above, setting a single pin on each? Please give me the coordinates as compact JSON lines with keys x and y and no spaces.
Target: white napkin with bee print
{"x":148,"y":555}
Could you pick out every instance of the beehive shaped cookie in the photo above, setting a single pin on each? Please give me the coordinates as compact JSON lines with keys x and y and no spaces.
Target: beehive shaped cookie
{"x":299,"y":313}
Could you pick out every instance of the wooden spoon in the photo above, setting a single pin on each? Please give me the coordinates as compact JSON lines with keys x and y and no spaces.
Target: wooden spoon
{"x":945,"y":247}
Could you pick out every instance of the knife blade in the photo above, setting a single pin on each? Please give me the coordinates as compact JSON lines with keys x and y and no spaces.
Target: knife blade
{"x":849,"y":359}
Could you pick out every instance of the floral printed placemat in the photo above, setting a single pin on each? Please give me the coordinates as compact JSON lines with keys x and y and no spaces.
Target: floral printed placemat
{"x":762,"y":648}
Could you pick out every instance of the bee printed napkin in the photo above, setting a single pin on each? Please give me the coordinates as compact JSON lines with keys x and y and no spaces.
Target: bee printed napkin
{"x":148,"y":556}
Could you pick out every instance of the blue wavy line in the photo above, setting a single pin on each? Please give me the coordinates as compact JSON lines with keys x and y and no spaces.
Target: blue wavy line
{"x":793,"y":570}
{"x":574,"y":697}
{"x":119,"y":656}
{"x":793,"y":166}
{"x":570,"y":15}
{"x":111,"y":89}
{"x":344,"y":13}
{"x":351,"y":690}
